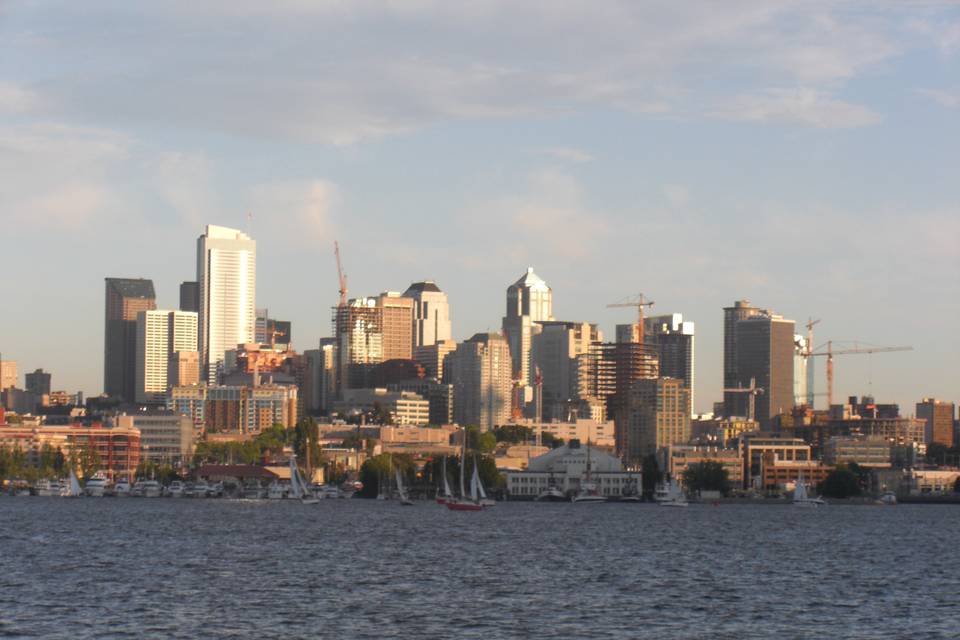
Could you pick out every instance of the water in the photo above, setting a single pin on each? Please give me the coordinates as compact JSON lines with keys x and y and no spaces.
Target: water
{"x":94,"y":568}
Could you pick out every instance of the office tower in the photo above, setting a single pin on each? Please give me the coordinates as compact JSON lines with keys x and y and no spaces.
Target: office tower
{"x":674,"y":340}
{"x":38,"y":382}
{"x":160,"y":335}
{"x":320,"y":383}
{"x":480,"y":372}
{"x":431,"y":314}
{"x":184,"y":369}
{"x":658,"y":416}
{"x":764,"y":353}
{"x":271,"y":331}
{"x":125,"y":298}
{"x":735,"y":404}
{"x":358,"y":328}
{"x":227,"y":276}
{"x":556,"y":351}
{"x":432,"y":356}
{"x":190,"y":296}
{"x":397,"y":325}
{"x":529,"y":302}
{"x":938,"y":416}
{"x":8,"y":374}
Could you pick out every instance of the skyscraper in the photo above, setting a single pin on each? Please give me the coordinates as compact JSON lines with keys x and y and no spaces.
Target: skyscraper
{"x":556,"y":351}
{"x":764,"y":353}
{"x":358,"y":329}
{"x":8,"y":374}
{"x":674,"y":341}
{"x":397,"y":314}
{"x":125,"y":298}
{"x":431,"y":314}
{"x":529,"y":302}
{"x":735,"y":404}
{"x":939,"y":420}
{"x":190,"y":296}
{"x":227,"y":277}
{"x":38,"y":382}
{"x":162,"y":334}
{"x":658,"y":416}
{"x":480,"y":371}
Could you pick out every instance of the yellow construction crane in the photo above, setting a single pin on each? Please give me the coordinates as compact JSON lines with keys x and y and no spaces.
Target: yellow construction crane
{"x":754,"y":391}
{"x":340,"y":275}
{"x":639,"y":302}
{"x":830,"y":353}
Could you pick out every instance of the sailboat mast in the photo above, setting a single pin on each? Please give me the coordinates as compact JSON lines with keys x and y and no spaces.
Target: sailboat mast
{"x":463,"y":463}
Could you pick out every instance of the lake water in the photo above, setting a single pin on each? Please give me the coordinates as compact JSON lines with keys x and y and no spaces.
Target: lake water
{"x":94,"y":568}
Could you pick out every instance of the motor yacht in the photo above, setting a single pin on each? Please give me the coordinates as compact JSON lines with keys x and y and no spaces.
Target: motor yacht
{"x":97,"y":486}
{"x":552,"y":493}
{"x":123,"y":489}
{"x":176,"y":489}
{"x":276,"y":491}
{"x":200,"y":489}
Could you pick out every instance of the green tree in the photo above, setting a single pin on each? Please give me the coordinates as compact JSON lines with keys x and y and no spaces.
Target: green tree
{"x":651,"y":474}
{"x":937,"y":453}
{"x":306,"y":436}
{"x":707,"y":476}
{"x":513,"y":434}
{"x":379,"y":470}
{"x":841,"y":483}
{"x":486,"y":442}
{"x":550,"y":440}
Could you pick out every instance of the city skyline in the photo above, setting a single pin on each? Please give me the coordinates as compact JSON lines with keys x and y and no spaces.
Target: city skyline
{"x":822,"y":185}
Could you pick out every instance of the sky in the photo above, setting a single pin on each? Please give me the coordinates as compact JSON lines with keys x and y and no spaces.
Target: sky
{"x":802,"y":155}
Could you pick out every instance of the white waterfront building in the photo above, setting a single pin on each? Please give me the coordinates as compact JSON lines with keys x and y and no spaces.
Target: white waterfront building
{"x":566,"y":467}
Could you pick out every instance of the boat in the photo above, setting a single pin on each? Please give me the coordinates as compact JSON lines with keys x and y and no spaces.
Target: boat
{"x":552,"y":493}
{"x":671,"y":495}
{"x":405,"y":500}
{"x":47,"y":488}
{"x":802,"y":499}
{"x":484,"y":500}
{"x":298,"y":488}
{"x":276,"y":491}
{"x":150,"y":489}
{"x":122,"y":488}
{"x":72,"y":488}
{"x":176,"y":489}
{"x":887,"y":498}
{"x":200,"y":489}
{"x":97,"y":486}
{"x":630,"y":492}
{"x":447,"y":493}
{"x":589,"y":493}
{"x":463,"y":503}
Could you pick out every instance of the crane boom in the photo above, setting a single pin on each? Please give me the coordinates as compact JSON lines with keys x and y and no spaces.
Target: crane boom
{"x":844,"y":352}
{"x":340,"y":275}
{"x":639,"y":302}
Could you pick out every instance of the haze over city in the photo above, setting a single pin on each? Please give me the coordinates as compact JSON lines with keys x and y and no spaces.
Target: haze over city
{"x":804,"y":159}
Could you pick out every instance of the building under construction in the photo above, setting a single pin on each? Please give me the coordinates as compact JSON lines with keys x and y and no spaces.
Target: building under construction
{"x":358,"y":328}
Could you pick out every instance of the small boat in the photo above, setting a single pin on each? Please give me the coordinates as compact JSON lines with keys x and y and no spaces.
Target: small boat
{"x":200,"y":489}
{"x":150,"y":489}
{"x":122,"y":489}
{"x":47,"y":488}
{"x":253,"y":491}
{"x":551,"y":494}
{"x":447,"y":493}
{"x":671,"y":495}
{"x":630,"y":492}
{"x":463,"y":503}
{"x":589,"y":493}
{"x":405,"y":500}
{"x":72,"y":487}
{"x":176,"y":489}
{"x":484,"y":500}
{"x":97,"y":486}
{"x":802,"y":499}
{"x":298,"y":488}
{"x":887,"y":498}
{"x":276,"y":491}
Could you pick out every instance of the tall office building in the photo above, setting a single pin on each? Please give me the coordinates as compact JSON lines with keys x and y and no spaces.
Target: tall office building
{"x":480,"y":372}
{"x":190,"y":296}
{"x":320,"y":378}
{"x":38,"y":382}
{"x":735,"y":404}
{"x":227,"y":276}
{"x":674,"y":340}
{"x":397,"y":323}
{"x":358,"y":330}
{"x":658,"y":416}
{"x":765,"y":353}
{"x":938,"y":416}
{"x":432,"y":356}
{"x":125,"y":298}
{"x":8,"y":374}
{"x":431,"y":314}
{"x":556,"y":351}
{"x":529,"y":302}
{"x":160,"y":335}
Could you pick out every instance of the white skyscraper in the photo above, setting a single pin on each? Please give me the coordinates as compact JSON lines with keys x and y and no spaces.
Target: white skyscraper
{"x":529,"y":302}
{"x":161,"y":334}
{"x":227,"y":277}
{"x":431,"y":314}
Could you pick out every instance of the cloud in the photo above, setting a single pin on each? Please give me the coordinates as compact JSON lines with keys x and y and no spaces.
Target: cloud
{"x":801,"y":106}
{"x":302,"y":211}
{"x":677,"y":195}
{"x":950,"y":99}
{"x":568,"y":154}
{"x":15,"y":99}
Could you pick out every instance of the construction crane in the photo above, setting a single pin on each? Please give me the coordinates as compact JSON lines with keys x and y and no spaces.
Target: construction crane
{"x":340,"y":274}
{"x":639,"y":302}
{"x":754,"y":391}
{"x":830,"y":353}
{"x":274,"y":334}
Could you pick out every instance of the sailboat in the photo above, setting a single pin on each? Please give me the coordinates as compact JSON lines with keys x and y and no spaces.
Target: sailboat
{"x":405,"y":501}
{"x":447,"y":493}
{"x":462,"y":503}
{"x":298,"y":488}
{"x":588,"y":488}
{"x":802,"y":499}
{"x":72,"y":489}
{"x":671,"y":496}
{"x":475,"y":480}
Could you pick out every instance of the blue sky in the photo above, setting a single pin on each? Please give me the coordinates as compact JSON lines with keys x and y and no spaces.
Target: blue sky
{"x":799,"y":154}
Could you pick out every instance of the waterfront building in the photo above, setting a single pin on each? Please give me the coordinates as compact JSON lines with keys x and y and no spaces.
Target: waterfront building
{"x":873,"y":452}
{"x":227,"y":277}
{"x":938,"y":420}
{"x":124,"y":299}
{"x":566,"y":467}
{"x":160,"y":335}
{"x":116,"y":450}
{"x":764,"y":352}
{"x":190,"y":296}
{"x":673,"y":337}
{"x":529,"y":302}
{"x":481,"y":373}
{"x":777,"y":474}
{"x":38,"y":382}
{"x":432,"y":356}
{"x":242,"y":409}
{"x":403,"y":407}
{"x":754,"y":446}
{"x":658,"y":416}
{"x":431,"y":316}
{"x":164,"y":438}
{"x":677,"y":458}
{"x":555,"y":352}
{"x":600,"y":434}
{"x":418,"y":440}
